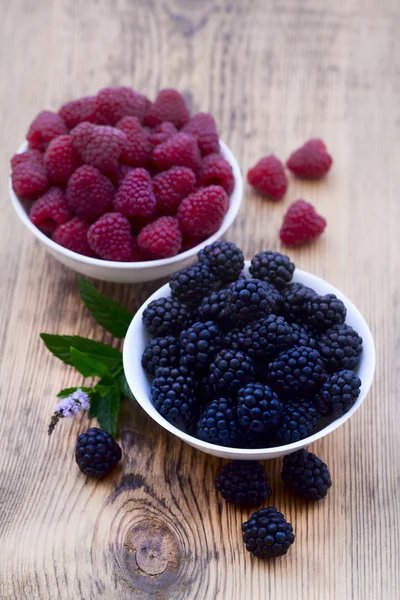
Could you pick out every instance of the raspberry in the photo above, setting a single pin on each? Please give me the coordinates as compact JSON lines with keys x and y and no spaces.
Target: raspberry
{"x":162,"y":238}
{"x":28,"y":176}
{"x":136,"y":150}
{"x":181,"y":150}
{"x":161,"y":133}
{"x":111,"y":238}
{"x":119,"y":175}
{"x":44,"y":128}
{"x":135,"y":195}
{"x":98,"y":145}
{"x":301,"y":224}
{"x":60,"y":159}
{"x":311,"y":161}
{"x":89,"y":193}
{"x":27,"y":156}
{"x":171,"y":187}
{"x":78,"y":111}
{"x":201,"y":214}
{"x":203,"y":128}
{"x":215,"y":170}
{"x":50,"y":210}
{"x":113,"y":103}
{"x":73,"y":235}
{"x":268,"y":177}
{"x":170,"y":106}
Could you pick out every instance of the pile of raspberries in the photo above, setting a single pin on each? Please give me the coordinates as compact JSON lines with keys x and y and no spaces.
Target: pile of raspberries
{"x":118,"y":177}
{"x":249,"y":360}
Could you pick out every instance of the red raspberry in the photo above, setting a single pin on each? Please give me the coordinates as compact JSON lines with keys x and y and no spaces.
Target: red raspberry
{"x":135,"y":196}
{"x":268,"y":177}
{"x":311,"y":161}
{"x":28,"y":176}
{"x":181,"y":150}
{"x":118,"y":175}
{"x":113,"y":103}
{"x":29,"y":155}
{"x":215,"y":170}
{"x":169,"y":105}
{"x":89,"y":193}
{"x":162,"y":238}
{"x":44,"y":128}
{"x":161,"y":133}
{"x":98,"y":145}
{"x":301,"y":223}
{"x":136,"y":150}
{"x":78,"y":111}
{"x":201,"y":214}
{"x":111,"y":237}
{"x":73,"y":235}
{"x":203,"y":128}
{"x":61,"y":159}
{"x":171,"y":187}
{"x":50,"y":211}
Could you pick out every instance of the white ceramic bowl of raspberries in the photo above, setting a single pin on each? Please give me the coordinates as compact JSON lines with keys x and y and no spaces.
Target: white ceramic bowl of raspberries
{"x":312,"y":352}
{"x":122,"y":189}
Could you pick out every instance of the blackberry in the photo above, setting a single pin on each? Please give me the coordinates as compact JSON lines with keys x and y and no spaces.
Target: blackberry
{"x":302,"y":336}
{"x":294,"y":299}
{"x":338,"y":394}
{"x":259,"y":409}
{"x":267,"y":534}
{"x":233,"y":340}
{"x":325,"y":311}
{"x":248,"y":300}
{"x":243,"y":482}
{"x":298,"y":422}
{"x":340,"y":347}
{"x":96,"y":453}
{"x":161,"y":352}
{"x":192,"y":284}
{"x":274,"y":296}
{"x":213,"y":306}
{"x":306,"y":475}
{"x":224,"y":259}
{"x":218,"y":423}
{"x":230,"y":370}
{"x":199,"y":344}
{"x":173,"y":394}
{"x":164,"y":316}
{"x":273,"y":267}
{"x":298,"y":371}
{"x":265,"y":338}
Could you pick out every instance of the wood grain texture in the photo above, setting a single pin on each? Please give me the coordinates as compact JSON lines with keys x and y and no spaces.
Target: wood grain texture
{"x":273,"y":73}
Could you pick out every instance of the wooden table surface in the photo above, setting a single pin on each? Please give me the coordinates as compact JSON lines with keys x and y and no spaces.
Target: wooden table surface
{"x":274,"y":74}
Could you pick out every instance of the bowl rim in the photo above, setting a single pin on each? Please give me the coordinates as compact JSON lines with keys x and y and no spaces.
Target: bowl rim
{"x":368,"y":357}
{"x":235,"y":200}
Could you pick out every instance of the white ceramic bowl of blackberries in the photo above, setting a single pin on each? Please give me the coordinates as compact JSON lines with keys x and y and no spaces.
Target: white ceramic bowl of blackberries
{"x":248,"y":359}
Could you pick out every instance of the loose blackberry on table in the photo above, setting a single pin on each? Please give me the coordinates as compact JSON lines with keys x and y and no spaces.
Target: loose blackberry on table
{"x":306,"y":475}
{"x":338,"y":394}
{"x":96,"y":453}
{"x":199,"y":344}
{"x":161,"y":352}
{"x":274,"y":267}
{"x":267,"y":534}
{"x":225,"y":260}
{"x":243,"y":482}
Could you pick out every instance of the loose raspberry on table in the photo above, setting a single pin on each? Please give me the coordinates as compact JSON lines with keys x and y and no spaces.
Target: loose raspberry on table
{"x":78,"y":111}
{"x":181,"y":150}
{"x":201,"y":214}
{"x":113,"y":103}
{"x":170,"y":106}
{"x":162,"y":238}
{"x":50,"y":211}
{"x":202,"y":126}
{"x":161,"y":133}
{"x":171,"y":187}
{"x":135,"y":196}
{"x":215,"y":170}
{"x":89,"y":193}
{"x":111,"y":237}
{"x":61,"y":159}
{"x":268,"y":177}
{"x":44,"y":128}
{"x":28,"y":176}
{"x":136,"y":149}
{"x":73,"y":235}
{"x":311,"y":161}
{"x":98,"y":145}
{"x":301,"y":224}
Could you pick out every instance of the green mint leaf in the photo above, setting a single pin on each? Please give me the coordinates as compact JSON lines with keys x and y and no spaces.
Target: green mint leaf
{"x":109,"y":314}
{"x":87,"y":365}
{"x":124,"y":387}
{"x":94,"y":405}
{"x":60,"y":346}
{"x":106,"y":407}
{"x":68,"y":391}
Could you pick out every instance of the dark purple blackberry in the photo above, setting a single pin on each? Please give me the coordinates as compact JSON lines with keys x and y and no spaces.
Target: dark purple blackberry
{"x":259,"y":409}
{"x":161,"y":352}
{"x":338,"y":394}
{"x":298,"y":422}
{"x":306,"y":475}
{"x":325,"y":311}
{"x":266,"y":338}
{"x":340,"y":347}
{"x":192,"y":284}
{"x":243,"y":482}
{"x":164,"y":316}
{"x":230,"y":371}
{"x":96,"y":453}
{"x":233,"y":340}
{"x":224,"y":259}
{"x":199,"y":344}
{"x":213,"y":306}
{"x":299,"y":371}
{"x":248,"y":300}
{"x":274,"y":296}
{"x":173,"y":394}
{"x":218,"y":423}
{"x":302,"y":336}
{"x":267,"y":534}
{"x":294,"y":298}
{"x":273,"y":267}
